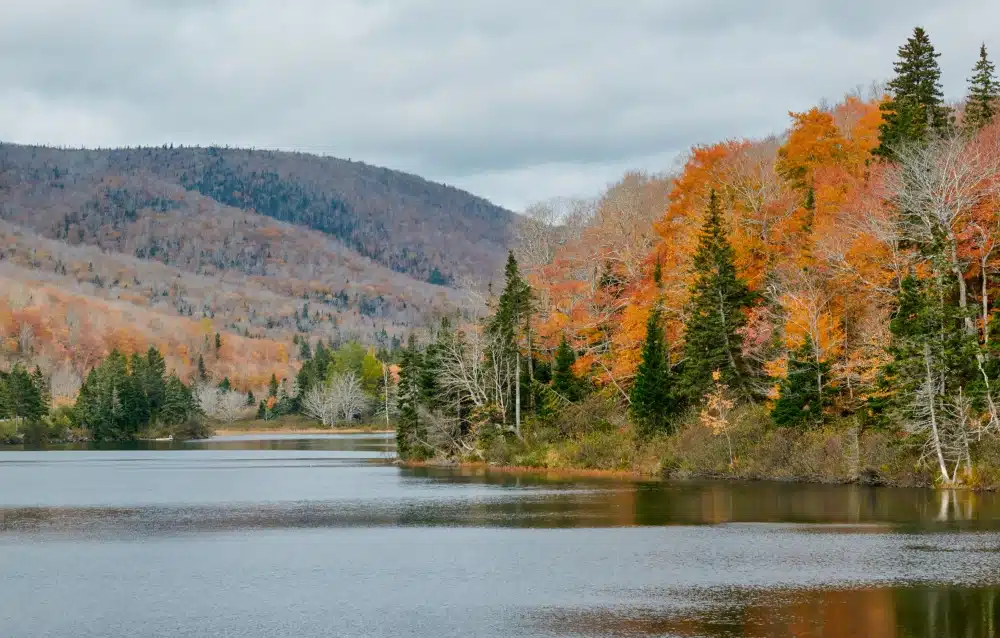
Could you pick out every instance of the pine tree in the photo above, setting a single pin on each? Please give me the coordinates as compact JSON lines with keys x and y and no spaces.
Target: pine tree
{"x":202,"y":372}
{"x":652,"y":398}
{"x":804,"y":391}
{"x":564,"y":382}
{"x":980,"y":105}
{"x":111,"y":405}
{"x":22,"y":398}
{"x":409,"y":430}
{"x":154,"y":382}
{"x":716,"y":315}
{"x":305,"y":351}
{"x":513,"y":310}
{"x":218,"y":342}
{"x":41,"y":383}
{"x":251,"y":399}
{"x":178,"y":402}
{"x":272,"y":386}
{"x":916,"y":108}
{"x":225,"y":385}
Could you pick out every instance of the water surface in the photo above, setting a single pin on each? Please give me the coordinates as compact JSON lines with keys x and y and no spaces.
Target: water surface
{"x":322,"y":536}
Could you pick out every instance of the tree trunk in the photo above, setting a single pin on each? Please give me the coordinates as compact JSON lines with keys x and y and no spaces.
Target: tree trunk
{"x":963,"y":293}
{"x":932,"y":413}
{"x":517,"y":396}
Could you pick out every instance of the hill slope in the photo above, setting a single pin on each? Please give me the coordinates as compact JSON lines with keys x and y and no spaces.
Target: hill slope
{"x":166,"y":246}
{"x":408,"y":224}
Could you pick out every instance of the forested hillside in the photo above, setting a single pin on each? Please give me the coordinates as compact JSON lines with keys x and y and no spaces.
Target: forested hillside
{"x":819,"y":304}
{"x":105,"y":250}
{"x":429,"y":231}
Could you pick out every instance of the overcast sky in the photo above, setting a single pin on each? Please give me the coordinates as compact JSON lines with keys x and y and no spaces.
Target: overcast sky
{"x":515,"y":100}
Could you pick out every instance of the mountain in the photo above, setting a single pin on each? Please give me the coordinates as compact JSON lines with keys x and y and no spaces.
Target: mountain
{"x":169,"y":245}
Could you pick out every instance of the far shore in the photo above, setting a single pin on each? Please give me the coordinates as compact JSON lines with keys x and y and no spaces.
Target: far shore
{"x":252,"y":431}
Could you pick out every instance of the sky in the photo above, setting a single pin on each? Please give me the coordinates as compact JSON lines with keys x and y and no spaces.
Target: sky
{"x":515,"y":100}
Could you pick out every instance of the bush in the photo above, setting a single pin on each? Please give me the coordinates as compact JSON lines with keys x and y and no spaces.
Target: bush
{"x":8,"y":433}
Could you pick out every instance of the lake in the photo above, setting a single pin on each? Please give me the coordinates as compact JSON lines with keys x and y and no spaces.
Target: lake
{"x":263,"y":536}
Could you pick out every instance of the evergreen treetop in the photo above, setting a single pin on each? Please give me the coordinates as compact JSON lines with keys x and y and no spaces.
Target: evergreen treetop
{"x":915,"y":108}
{"x":717,"y":311}
{"x":984,"y":91}
{"x":652,"y":400}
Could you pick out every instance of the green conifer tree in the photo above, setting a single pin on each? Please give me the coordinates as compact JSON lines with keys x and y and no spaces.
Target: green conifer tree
{"x":225,"y":385}
{"x":564,"y":382}
{"x":981,"y":103}
{"x":915,"y":109}
{"x":717,"y":311}
{"x":251,"y":399}
{"x":178,"y":402}
{"x":41,"y":383}
{"x":653,"y":403}
{"x":804,"y":391}
{"x":202,"y":371}
{"x":272,"y":386}
{"x":409,"y":429}
{"x":218,"y":342}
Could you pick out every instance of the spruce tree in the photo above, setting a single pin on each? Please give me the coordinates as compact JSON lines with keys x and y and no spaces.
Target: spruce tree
{"x":510,"y":321}
{"x":251,"y":399}
{"x":202,"y":372}
{"x":915,"y":109}
{"x":178,"y":402}
{"x":218,"y":342}
{"x":272,"y":386}
{"x":41,"y":383}
{"x":804,"y":391}
{"x":652,"y":397}
{"x":305,"y":351}
{"x":717,"y":311}
{"x":980,"y":105}
{"x":225,"y":385}
{"x":564,"y":382}
{"x":154,"y":381}
{"x":22,"y":396}
{"x":409,"y":429}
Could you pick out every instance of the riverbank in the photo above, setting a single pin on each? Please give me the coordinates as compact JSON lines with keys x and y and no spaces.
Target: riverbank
{"x":752,"y":448}
{"x":304,"y":431}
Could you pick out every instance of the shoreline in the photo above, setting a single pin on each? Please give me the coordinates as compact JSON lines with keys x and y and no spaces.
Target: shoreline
{"x":254,"y":431}
{"x":553,"y":473}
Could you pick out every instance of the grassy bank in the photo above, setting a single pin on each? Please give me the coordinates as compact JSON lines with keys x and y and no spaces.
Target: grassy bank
{"x":597,"y":440}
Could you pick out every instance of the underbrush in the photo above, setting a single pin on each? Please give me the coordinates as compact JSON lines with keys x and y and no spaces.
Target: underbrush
{"x":595,"y":435}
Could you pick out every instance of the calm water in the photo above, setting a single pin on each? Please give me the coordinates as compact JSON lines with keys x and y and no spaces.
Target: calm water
{"x":285,"y":536}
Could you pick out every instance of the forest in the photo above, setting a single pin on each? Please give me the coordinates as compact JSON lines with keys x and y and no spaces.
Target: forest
{"x":817,"y":305}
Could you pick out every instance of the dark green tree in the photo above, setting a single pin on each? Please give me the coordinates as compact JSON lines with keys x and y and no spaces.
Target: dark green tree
{"x":20,"y":396}
{"x":653,"y":403}
{"x":272,"y":386}
{"x":717,"y":313}
{"x":980,"y":105}
{"x":804,"y":391}
{"x":225,"y":385}
{"x":154,"y":381}
{"x":564,"y":382}
{"x":305,"y":351}
{"x":111,"y":404}
{"x":915,"y":109}
{"x":218,"y":342}
{"x":202,"y":372}
{"x":510,"y":322}
{"x":251,"y":399}
{"x":41,"y":383}
{"x":410,"y":434}
{"x":179,"y":404}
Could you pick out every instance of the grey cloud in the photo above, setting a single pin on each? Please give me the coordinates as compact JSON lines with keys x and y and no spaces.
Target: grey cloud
{"x":511,"y":100}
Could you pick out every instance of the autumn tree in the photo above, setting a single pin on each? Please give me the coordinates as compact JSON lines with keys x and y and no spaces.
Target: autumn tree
{"x":980,"y":105}
{"x":915,"y":109}
{"x":719,"y":301}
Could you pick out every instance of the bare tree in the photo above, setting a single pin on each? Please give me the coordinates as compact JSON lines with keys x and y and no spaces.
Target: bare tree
{"x":348,"y":396}
{"x":320,"y":403}
{"x":230,"y":406}
{"x":935,"y":187}
{"x":65,"y":381}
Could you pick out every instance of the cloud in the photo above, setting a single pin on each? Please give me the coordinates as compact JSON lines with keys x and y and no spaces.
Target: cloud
{"x":515,"y":100}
